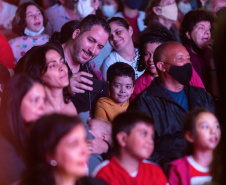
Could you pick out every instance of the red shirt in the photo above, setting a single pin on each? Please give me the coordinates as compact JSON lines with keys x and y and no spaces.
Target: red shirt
{"x":6,"y":53}
{"x":114,"y":174}
{"x":133,"y":23}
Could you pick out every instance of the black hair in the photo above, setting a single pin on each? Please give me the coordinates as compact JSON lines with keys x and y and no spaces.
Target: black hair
{"x":44,"y":138}
{"x":126,"y":121}
{"x":19,"y":21}
{"x":4,"y":74}
{"x":120,"y":69}
{"x":34,"y":61}
{"x":157,"y":35}
{"x":189,"y":125}
{"x":191,"y":19}
{"x":66,"y":32}
{"x":93,"y":20}
{"x":12,"y":125}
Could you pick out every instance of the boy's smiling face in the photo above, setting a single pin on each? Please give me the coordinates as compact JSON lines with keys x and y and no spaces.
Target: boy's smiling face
{"x":121,"y":89}
{"x":140,"y":141}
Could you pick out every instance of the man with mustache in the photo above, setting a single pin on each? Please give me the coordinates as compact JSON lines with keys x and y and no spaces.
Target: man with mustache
{"x":85,"y":44}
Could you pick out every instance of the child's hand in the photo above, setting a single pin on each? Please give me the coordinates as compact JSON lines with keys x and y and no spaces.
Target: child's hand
{"x":97,"y":146}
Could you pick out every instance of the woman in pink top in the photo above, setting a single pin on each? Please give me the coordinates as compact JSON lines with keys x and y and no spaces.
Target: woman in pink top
{"x":149,"y":41}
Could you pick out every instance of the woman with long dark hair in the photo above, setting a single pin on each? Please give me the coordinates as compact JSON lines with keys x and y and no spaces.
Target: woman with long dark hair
{"x":47,"y":62}
{"x":57,"y":152}
{"x":23,"y":101}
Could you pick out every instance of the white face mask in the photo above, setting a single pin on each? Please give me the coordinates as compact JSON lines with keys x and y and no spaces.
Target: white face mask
{"x":84,"y":7}
{"x":170,"y":11}
{"x":184,"y":7}
{"x":108,"y":10}
{"x":32,"y":33}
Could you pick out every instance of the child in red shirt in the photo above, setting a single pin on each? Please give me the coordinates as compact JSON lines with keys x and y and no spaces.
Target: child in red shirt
{"x":202,"y":131}
{"x":132,"y":136}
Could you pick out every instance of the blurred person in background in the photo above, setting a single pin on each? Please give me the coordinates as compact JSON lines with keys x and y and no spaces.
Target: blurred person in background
{"x":29,"y":23}
{"x":23,"y":102}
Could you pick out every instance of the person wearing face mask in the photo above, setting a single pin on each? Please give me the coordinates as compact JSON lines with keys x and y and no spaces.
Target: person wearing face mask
{"x":29,"y":24}
{"x":62,"y":12}
{"x":133,"y":16}
{"x":184,"y":6}
{"x":168,"y":99}
{"x":162,"y":13}
{"x":86,"y":7}
{"x":147,"y":45}
{"x":110,"y":7}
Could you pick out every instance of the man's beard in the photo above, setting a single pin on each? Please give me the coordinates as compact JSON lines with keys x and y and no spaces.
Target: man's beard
{"x":76,"y":50}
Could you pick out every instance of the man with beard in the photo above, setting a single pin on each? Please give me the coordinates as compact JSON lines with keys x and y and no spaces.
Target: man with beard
{"x":86,"y":43}
{"x":168,"y":99}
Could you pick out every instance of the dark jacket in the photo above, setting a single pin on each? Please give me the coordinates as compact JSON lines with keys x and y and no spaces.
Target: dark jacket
{"x":168,"y":116}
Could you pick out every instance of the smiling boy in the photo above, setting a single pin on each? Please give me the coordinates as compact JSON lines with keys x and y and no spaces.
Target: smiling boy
{"x":121,"y":77}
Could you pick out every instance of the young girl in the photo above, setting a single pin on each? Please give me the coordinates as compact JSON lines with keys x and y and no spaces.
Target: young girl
{"x":29,"y":23}
{"x":202,"y":131}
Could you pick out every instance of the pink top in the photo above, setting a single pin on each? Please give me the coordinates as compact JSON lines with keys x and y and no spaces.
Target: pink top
{"x":20,"y":45}
{"x":145,"y":80}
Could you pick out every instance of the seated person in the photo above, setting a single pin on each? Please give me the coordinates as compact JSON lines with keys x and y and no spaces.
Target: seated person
{"x":132,"y":135}
{"x":121,"y":77}
{"x":202,"y":132}
{"x":168,"y":98}
{"x":123,"y":46}
{"x":147,"y":45}
{"x":59,"y":14}
{"x":99,"y":128}
{"x":29,"y":23}
{"x":195,"y":34}
{"x":133,"y":16}
{"x":7,"y":12}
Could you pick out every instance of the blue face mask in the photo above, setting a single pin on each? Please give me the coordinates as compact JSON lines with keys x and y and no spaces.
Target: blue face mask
{"x":108,"y":10}
{"x":133,"y":4}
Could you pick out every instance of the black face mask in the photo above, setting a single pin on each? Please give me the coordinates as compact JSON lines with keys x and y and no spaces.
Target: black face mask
{"x":181,"y":73}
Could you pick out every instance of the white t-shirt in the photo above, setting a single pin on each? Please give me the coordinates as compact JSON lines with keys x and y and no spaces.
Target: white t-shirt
{"x":115,"y":57}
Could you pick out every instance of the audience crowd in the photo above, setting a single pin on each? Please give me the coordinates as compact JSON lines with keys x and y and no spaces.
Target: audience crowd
{"x":112,"y":92}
